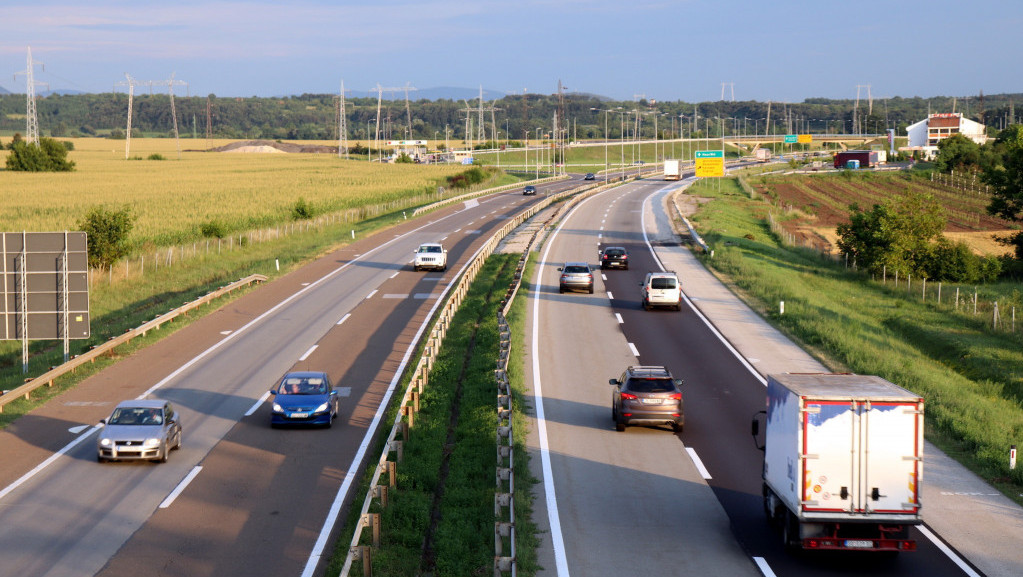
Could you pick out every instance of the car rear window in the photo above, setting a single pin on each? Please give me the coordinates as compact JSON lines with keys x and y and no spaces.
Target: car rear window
{"x":576,"y":269}
{"x":651,"y":386}
{"x":615,"y":252}
{"x":662,"y":283}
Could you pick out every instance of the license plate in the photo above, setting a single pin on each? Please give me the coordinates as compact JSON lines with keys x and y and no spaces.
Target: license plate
{"x":651,"y":401}
{"x":859,"y":544}
{"x":299,"y":415}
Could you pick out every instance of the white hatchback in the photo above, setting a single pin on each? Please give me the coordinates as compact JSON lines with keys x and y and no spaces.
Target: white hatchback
{"x":662,"y":289}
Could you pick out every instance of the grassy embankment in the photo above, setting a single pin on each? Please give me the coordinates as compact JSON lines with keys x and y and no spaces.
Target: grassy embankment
{"x":446,"y":480}
{"x":970,"y":375}
{"x":172,"y":200}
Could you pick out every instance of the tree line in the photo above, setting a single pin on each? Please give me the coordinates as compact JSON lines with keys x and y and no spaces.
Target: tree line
{"x":314,"y":116}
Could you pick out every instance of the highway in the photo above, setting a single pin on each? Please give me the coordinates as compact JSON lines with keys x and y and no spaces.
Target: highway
{"x":647,"y":501}
{"x":239,"y":498}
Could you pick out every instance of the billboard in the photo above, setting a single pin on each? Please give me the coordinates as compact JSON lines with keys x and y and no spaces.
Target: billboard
{"x":44,"y":278}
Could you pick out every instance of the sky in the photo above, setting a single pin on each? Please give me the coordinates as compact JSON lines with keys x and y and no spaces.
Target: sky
{"x":781,"y":50}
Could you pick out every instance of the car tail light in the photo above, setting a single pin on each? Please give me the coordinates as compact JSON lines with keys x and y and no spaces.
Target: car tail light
{"x":629,"y":397}
{"x":625,"y":256}
{"x":605,"y":257}
{"x":675,"y":396}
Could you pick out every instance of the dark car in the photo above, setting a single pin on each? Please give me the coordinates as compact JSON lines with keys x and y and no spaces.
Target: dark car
{"x":647,"y":395}
{"x":146,"y":429}
{"x":575,"y":276}
{"x":304,"y":397}
{"x":589,"y":176}
{"x":529,"y":190}
{"x":614,"y":257}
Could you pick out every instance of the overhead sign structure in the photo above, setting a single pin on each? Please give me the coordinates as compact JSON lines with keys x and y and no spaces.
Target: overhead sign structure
{"x":805,"y":138}
{"x":710,"y":163}
{"x":44,"y":279}
{"x":406,"y":143}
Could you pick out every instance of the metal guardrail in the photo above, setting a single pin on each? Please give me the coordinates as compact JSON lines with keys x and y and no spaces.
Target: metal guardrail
{"x":404,"y":421}
{"x":90,"y":356}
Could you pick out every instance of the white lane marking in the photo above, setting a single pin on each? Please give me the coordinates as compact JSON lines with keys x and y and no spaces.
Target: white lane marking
{"x":945,"y":549}
{"x":423,"y":296}
{"x":181,"y":487}
{"x":763,"y":566}
{"x":443,"y":238}
{"x":225,"y":332}
{"x":618,"y":316}
{"x":603,"y":277}
{"x":600,"y":236}
{"x":610,"y":296}
{"x":634,"y":350}
{"x":78,"y":429}
{"x":344,"y":318}
{"x":370,"y":295}
{"x":307,"y":353}
{"x":395,"y":296}
{"x":456,"y":230}
{"x":699,"y":464}
{"x":305,"y":284}
{"x":394,"y":275}
{"x":706,"y":321}
{"x":257,"y":404}
{"x":24,"y":478}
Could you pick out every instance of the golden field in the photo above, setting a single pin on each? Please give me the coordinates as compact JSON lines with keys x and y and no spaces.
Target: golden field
{"x":173,"y":198}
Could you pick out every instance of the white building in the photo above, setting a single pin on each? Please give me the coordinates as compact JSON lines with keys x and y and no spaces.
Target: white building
{"x":925,"y":135}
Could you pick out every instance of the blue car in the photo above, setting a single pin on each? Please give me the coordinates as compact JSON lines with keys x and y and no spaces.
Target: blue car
{"x":305,"y":398}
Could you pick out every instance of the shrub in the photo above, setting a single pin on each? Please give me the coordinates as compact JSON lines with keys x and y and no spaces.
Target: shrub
{"x":213,"y":229}
{"x":107,"y":232}
{"x":302,"y":210}
{"x":48,"y":156}
{"x":156,"y":156}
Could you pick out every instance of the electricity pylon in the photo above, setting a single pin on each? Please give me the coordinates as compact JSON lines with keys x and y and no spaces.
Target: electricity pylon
{"x":31,"y":119}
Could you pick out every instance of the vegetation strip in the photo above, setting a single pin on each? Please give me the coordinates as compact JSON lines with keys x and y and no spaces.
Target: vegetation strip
{"x":970,"y":373}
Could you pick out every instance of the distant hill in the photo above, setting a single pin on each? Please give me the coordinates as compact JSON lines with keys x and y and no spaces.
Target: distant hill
{"x":436,"y":93}
{"x":4,"y":90}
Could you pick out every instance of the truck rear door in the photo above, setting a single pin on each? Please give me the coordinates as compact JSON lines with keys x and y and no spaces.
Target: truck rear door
{"x":830,"y":441}
{"x":891,"y":457}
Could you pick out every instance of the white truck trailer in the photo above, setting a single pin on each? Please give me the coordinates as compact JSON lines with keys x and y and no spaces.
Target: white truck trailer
{"x":843,"y":459}
{"x":672,"y":170}
{"x":763,"y":154}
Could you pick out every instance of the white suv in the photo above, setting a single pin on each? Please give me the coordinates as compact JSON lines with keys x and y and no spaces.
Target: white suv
{"x":662,"y":289}
{"x":430,"y":255}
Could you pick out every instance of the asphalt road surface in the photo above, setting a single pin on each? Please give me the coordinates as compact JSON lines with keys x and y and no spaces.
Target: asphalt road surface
{"x":239,"y":498}
{"x":647,"y":501}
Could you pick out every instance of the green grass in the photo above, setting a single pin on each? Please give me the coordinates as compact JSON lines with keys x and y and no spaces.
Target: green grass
{"x":970,"y":375}
{"x":457,"y":418}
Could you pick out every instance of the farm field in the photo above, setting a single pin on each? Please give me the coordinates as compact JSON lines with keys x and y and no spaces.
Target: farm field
{"x":173,"y":199}
{"x":817,"y":203}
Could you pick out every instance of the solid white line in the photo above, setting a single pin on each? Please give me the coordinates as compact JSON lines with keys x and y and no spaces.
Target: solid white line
{"x":394,"y":275}
{"x":619,"y":317}
{"x":947,"y":551}
{"x":610,"y":296}
{"x":181,"y":487}
{"x":24,"y":478}
{"x":257,"y":404}
{"x":763,"y":566}
{"x":699,"y":464}
{"x":344,"y":318}
{"x":634,"y":350}
{"x":307,"y":353}
{"x":371,"y":294}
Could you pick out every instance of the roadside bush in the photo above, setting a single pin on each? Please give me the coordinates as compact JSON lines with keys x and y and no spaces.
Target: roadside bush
{"x":302,"y":210}
{"x":474,"y":175}
{"x":107,"y":232}
{"x":156,"y":156}
{"x":213,"y":229}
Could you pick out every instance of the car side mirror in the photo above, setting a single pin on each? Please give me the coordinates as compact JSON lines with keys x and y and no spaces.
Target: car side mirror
{"x":559,"y":269}
{"x":613,"y":381}
{"x":678,"y":382}
{"x":103,"y":421}
{"x":333,"y":392}
{"x":273,"y":392}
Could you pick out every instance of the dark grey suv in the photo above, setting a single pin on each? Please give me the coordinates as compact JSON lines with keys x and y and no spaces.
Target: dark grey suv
{"x":647,"y":395}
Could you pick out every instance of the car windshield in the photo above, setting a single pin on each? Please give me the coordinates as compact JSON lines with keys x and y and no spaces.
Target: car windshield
{"x":662,"y":283}
{"x":576,"y":269}
{"x":136,"y":416}
{"x":302,"y":386}
{"x":651,"y":386}
{"x":429,"y":249}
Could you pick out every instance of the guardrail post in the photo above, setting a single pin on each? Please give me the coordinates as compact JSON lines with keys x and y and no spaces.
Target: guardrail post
{"x":380,"y":492}
{"x":372,"y":520}
{"x":409,"y":414}
{"x":399,"y":449}
{"x":392,"y":474}
{"x":361,"y":552}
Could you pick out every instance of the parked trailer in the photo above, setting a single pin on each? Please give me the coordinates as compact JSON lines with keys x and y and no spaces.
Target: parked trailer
{"x":843,"y":459}
{"x":866,"y":158}
{"x":672,"y":170}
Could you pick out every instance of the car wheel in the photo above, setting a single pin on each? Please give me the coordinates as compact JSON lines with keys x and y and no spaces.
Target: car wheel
{"x":163,"y":454}
{"x":678,"y":307}
{"x":101,"y":459}
{"x":415,"y":268}
{"x":177,"y":445}
{"x":677,"y":427}
{"x":619,"y":425}
{"x":646,"y":305}
{"x":614,"y":413}
{"x":591,"y":289}
{"x":561,"y":289}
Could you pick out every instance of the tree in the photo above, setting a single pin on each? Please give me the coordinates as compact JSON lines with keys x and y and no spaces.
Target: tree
{"x":49,"y":156}
{"x":896,"y":236}
{"x":1005,"y":176}
{"x":107,"y":233}
{"x":957,"y":152}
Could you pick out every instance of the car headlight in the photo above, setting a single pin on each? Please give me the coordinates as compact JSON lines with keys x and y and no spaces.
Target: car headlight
{"x":277,"y":408}
{"x":321,"y":408}
{"x":105,"y":442}
{"x":152,"y":442}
